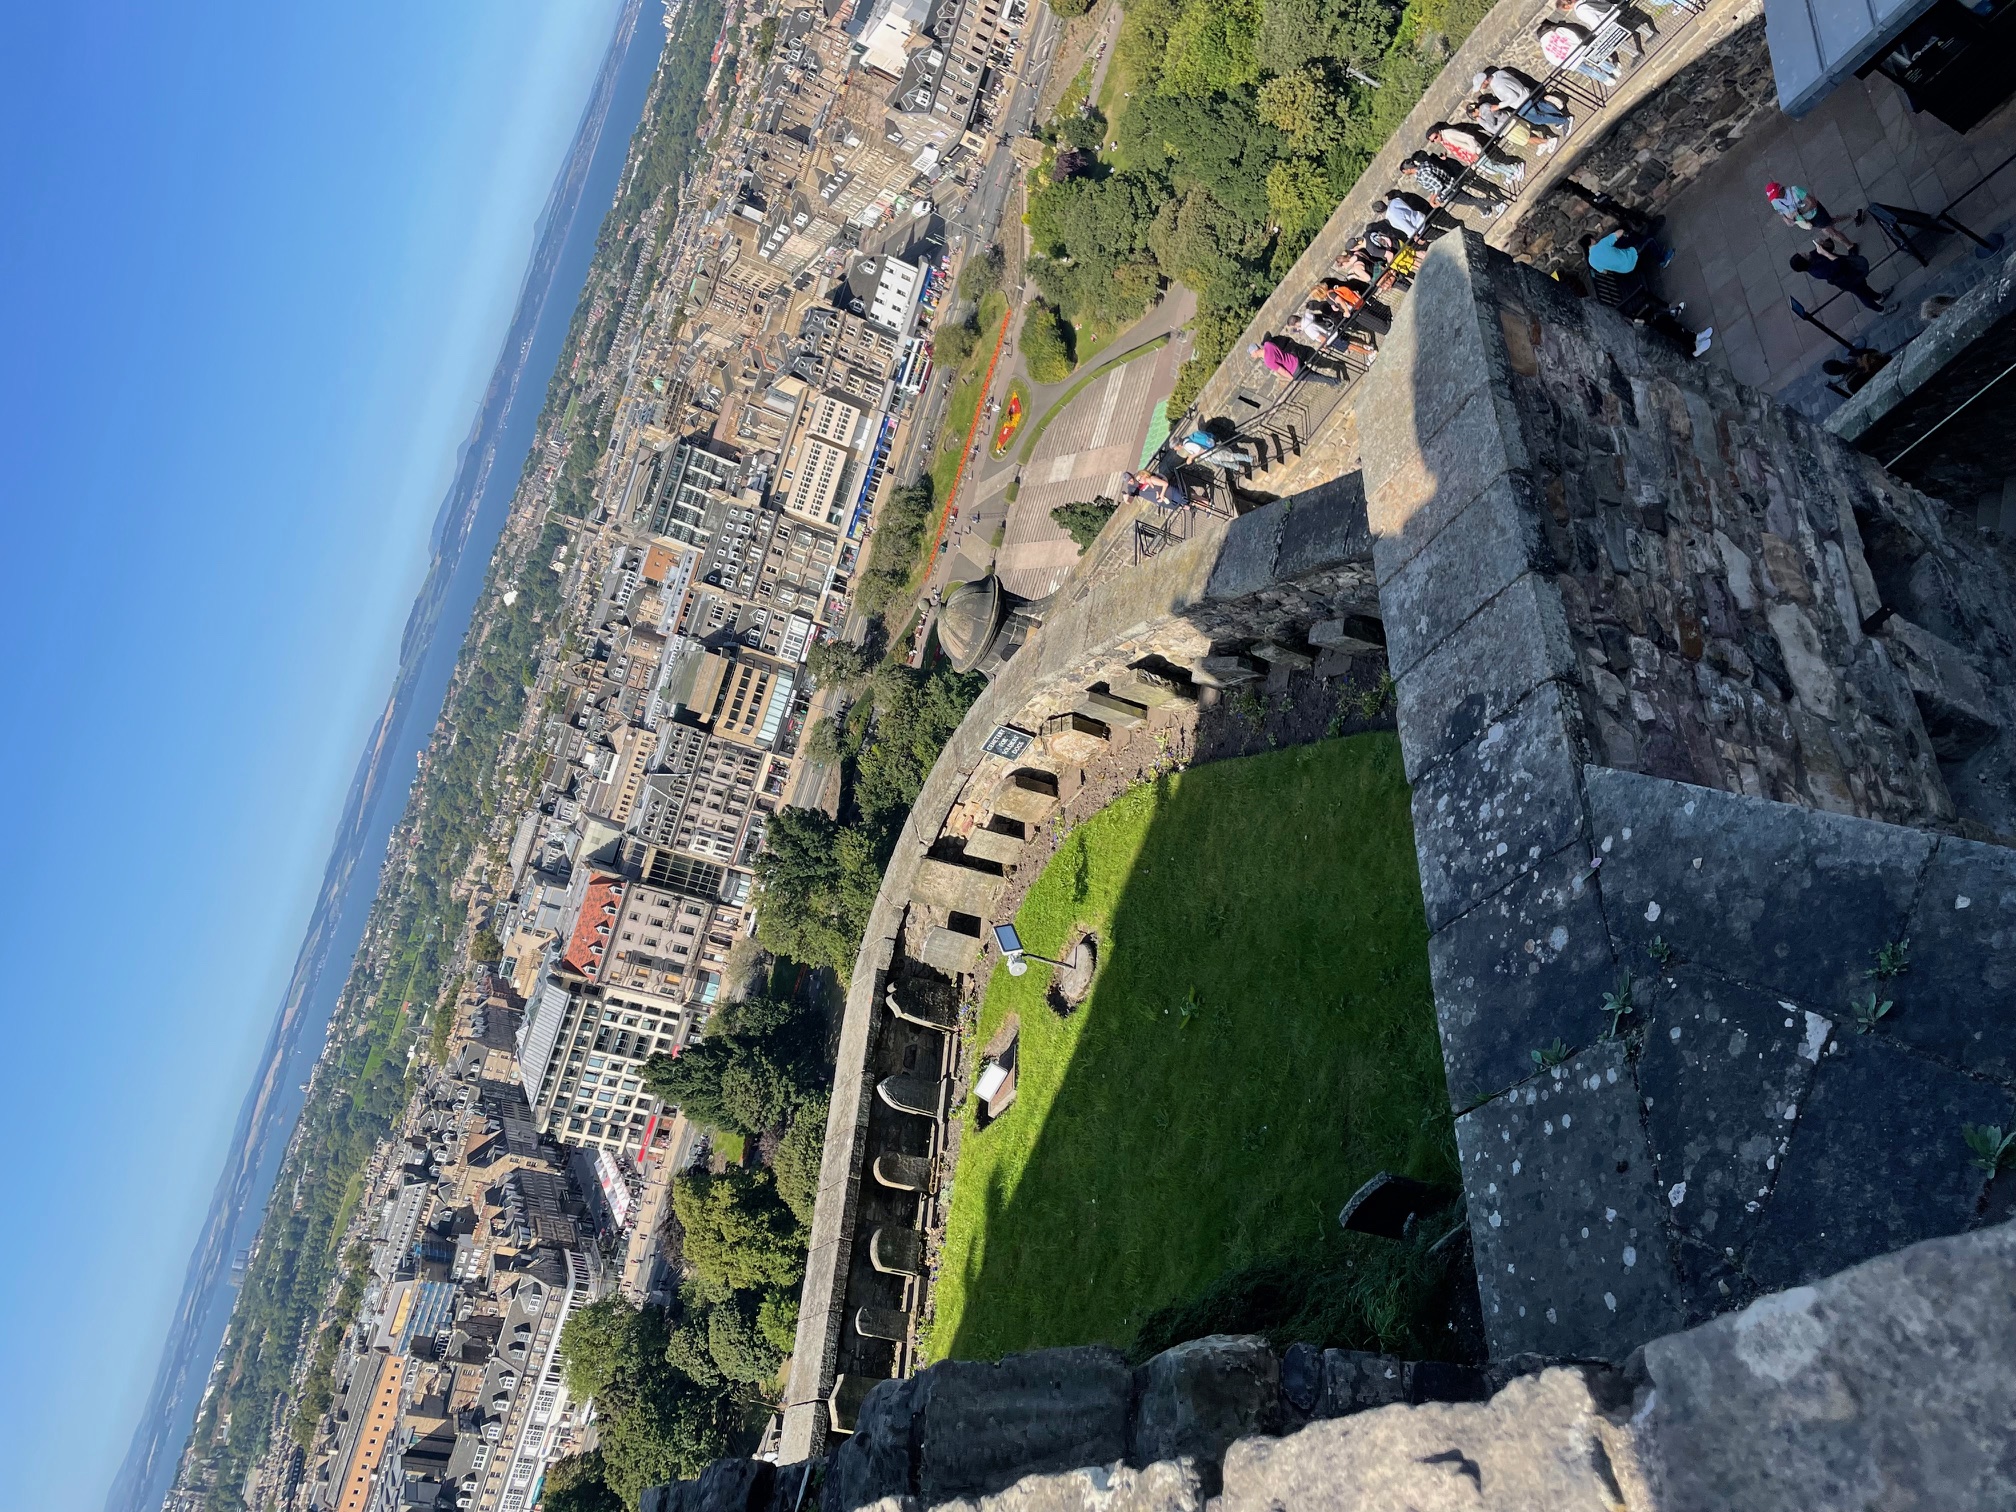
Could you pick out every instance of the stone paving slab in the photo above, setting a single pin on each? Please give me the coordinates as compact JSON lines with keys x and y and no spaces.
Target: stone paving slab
{"x":1958,"y":1000}
{"x":1570,"y":1241}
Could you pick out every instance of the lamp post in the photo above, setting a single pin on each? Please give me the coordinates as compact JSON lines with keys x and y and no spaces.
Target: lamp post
{"x":1015,"y":955}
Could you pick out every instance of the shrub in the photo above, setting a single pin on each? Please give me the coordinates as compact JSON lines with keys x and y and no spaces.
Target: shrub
{"x":1083,"y":521}
{"x":1046,"y":349}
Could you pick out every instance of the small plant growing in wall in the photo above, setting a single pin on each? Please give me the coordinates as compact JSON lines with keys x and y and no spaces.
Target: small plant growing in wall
{"x":1618,"y":1003}
{"x":1549,"y":1056}
{"x":1660,"y":951}
{"x":1992,"y":1148}
{"x":1893,"y":960}
{"x":1867,"y":1010}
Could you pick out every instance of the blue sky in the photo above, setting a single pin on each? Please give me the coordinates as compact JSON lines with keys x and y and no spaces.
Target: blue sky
{"x":255,"y":264}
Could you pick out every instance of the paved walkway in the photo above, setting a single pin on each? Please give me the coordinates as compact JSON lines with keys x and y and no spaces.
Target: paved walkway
{"x":1860,"y":145}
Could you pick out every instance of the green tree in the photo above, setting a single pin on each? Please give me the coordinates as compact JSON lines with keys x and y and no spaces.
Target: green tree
{"x":795,"y":1166}
{"x":672,"y":1433}
{"x":485,"y":947}
{"x":686,"y":1351}
{"x":777,"y":1320}
{"x":1045,"y":347}
{"x":739,"y":1234}
{"x":608,"y":1345}
{"x":1211,"y":47}
{"x":955,"y":342}
{"x":838,"y":663}
{"x":1301,"y":106}
{"x":1298,"y":192}
{"x":766,"y":39}
{"x":1083,"y":521}
{"x":741,"y":1352}
{"x":577,"y":1484}
{"x":1070,"y":8}
{"x":982,"y":274}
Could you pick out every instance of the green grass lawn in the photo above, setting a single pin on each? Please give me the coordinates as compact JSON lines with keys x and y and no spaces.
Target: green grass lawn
{"x":1260,"y":1039}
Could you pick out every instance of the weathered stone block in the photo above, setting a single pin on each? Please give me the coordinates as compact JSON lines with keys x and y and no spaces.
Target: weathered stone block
{"x":1543,"y":1441}
{"x":1149,"y":689}
{"x":1326,"y":529}
{"x":1568,"y":1232}
{"x":1723,"y":1072}
{"x":1885,"y":1386}
{"x":1486,"y":548}
{"x":1415,"y":487}
{"x":1512,"y":645}
{"x":1026,"y":795}
{"x":1355,"y":1381}
{"x":1167,"y":1487}
{"x":1277,"y":655}
{"x":1196,"y":1398}
{"x":1527,"y":966}
{"x":911,"y":1094}
{"x":1877,"y":1161}
{"x":874,"y":1462}
{"x":985,"y":1426}
{"x":903,"y":1173}
{"x":1336,"y":635}
{"x":1789,"y":898}
{"x":1245,"y":562}
{"x":990,"y":845}
{"x":1955,"y":999}
{"x":1490,"y":811}
{"x":882,"y":1323}
{"x":956,"y":889}
{"x":1121,"y":713}
{"x":1225,"y":671}
{"x":949,"y":951}
{"x":1074,"y":737}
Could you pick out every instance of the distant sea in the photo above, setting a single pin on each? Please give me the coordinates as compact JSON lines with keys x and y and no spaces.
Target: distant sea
{"x":471,"y":519}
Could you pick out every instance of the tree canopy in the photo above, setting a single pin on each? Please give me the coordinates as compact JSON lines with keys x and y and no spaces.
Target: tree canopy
{"x":739,"y":1234}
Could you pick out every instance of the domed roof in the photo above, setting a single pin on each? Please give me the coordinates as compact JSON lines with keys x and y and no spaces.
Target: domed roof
{"x":968,"y":621}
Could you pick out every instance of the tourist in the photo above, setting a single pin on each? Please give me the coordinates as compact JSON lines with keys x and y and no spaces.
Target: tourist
{"x":1410,"y":215}
{"x":1439,"y":180}
{"x":1621,"y":252}
{"x":1857,"y":368}
{"x":1522,"y":95}
{"x":1594,"y":16}
{"x":1473,"y":150}
{"x":1845,"y":271}
{"x":1505,"y":125}
{"x":1796,"y":207}
{"x":1276,"y":358}
{"x":1566,"y":45}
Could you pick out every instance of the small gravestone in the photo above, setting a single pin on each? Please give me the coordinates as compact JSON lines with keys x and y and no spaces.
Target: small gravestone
{"x":896,"y":1251}
{"x":1027,"y":795}
{"x":920,"y":1007}
{"x":910,"y":1094}
{"x":991,"y":845}
{"x":882,"y":1323}
{"x":1276,"y":654}
{"x":1121,"y":712}
{"x":948,"y":950}
{"x":903,"y":1173}
{"x":843,"y":1403}
{"x":1390,"y":1206}
{"x":1224,"y":671}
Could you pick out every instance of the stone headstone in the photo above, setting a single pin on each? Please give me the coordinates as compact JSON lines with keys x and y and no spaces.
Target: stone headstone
{"x":843,"y":1403}
{"x":903,"y":1173}
{"x":910,"y":1094}
{"x":896,"y":1251}
{"x":875,"y":1461}
{"x":1224,"y":671}
{"x":1026,"y":795}
{"x":1119,"y":712}
{"x":1335,"y":635}
{"x":1276,"y":654}
{"x":928,"y":1010}
{"x":882,"y":1323}
{"x":1149,"y":689}
{"x":1074,"y":737}
{"x":955,"y":889}
{"x":1390,"y":1206}
{"x":948,"y":950}
{"x":991,"y":845}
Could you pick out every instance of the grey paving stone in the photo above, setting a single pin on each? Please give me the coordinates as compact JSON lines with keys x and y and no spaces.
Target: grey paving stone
{"x":1490,"y":811}
{"x":1888,"y":1386}
{"x":1513,"y":644}
{"x":1523,"y":968}
{"x":1723,"y":1070}
{"x":1567,"y":1227}
{"x":1790,"y":899}
{"x":1958,"y":1000}
{"x":1877,"y":1161}
{"x":1495,"y":539}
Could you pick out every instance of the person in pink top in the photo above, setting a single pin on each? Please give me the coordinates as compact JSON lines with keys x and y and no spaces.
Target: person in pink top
{"x":1801,"y":211}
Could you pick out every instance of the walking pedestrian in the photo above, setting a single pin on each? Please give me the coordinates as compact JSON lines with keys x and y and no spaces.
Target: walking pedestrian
{"x":1474,"y":150}
{"x":1845,"y":271}
{"x":1566,"y":45}
{"x":1593,"y":15}
{"x":1522,"y":96}
{"x":1276,"y":358}
{"x":1439,"y":180}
